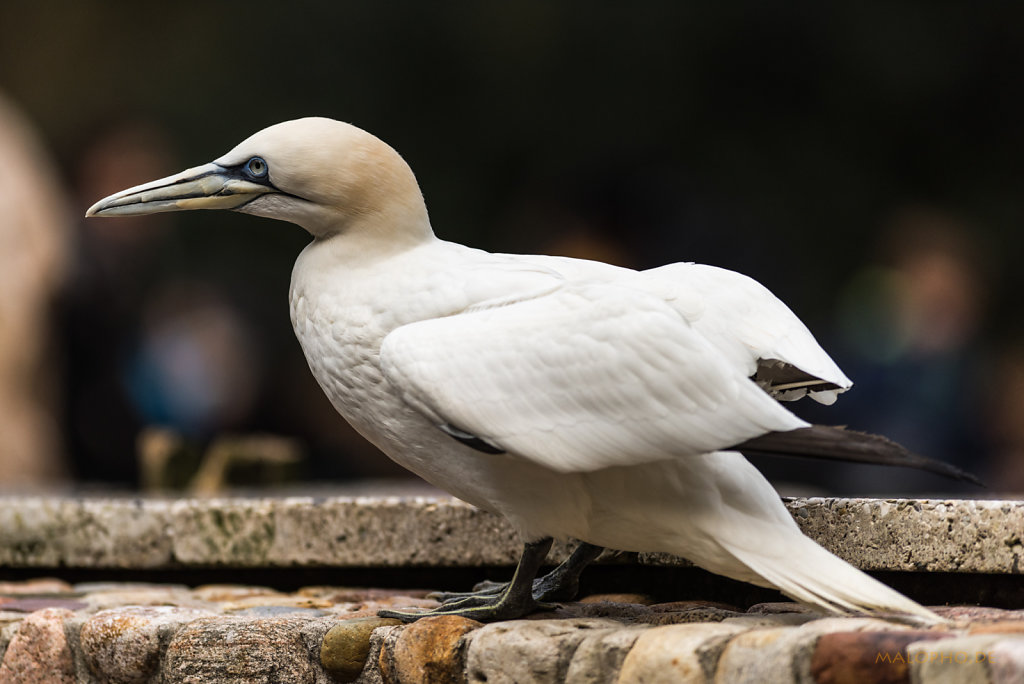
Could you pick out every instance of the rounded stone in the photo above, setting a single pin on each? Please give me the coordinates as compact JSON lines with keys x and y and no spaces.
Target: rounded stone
{"x":529,"y":650}
{"x":674,"y":653}
{"x":123,"y":644}
{"x":598,"y":658}
{"x":39,"y":651}
{"x":346,"y":646}
{"x":239,"y":650}
{"x":430,"y":650}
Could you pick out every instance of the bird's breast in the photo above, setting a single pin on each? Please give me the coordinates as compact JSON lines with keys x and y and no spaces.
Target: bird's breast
{"x":341,"y":312}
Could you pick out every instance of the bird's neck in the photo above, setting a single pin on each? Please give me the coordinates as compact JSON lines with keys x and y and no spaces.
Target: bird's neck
{"x":396,"y":225}
{"x":382,"y":217}
{"x":367,"y":242}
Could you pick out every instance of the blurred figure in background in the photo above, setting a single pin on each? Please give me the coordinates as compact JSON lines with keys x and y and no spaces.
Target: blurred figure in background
{"x":909,"y":335}
{"x":195,"y":366}
{"x":34,"y":229}
{"x":145,"y":344}
{"x":115,"y":271}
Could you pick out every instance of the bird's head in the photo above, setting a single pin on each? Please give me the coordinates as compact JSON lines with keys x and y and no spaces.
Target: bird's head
{"x":327,"y":176}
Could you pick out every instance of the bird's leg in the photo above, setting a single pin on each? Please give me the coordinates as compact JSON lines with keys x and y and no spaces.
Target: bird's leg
{"x":561,"y":584}
{"x":513,"y":601}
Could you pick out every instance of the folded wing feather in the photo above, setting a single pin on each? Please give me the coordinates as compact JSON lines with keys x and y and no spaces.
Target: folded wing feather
{"x":589,"y":376}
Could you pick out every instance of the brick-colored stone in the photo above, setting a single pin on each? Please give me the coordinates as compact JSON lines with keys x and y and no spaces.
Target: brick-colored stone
{"x":346,"y":646}
{"x":123,"y":645}
{"x":684,"y":654}
{"x":856,"y":657}
{"x":39,"y":653}
{"x":429,"y":651}
{"x":232,"y":649}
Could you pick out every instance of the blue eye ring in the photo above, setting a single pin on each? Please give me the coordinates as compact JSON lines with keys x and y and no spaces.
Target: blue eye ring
{"x":257,"y":167}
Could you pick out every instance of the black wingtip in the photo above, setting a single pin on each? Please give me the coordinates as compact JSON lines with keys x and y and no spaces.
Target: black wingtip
{"x":841,"y":444}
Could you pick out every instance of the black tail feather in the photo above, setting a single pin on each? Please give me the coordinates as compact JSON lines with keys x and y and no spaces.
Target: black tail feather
{"x":840,"y":444}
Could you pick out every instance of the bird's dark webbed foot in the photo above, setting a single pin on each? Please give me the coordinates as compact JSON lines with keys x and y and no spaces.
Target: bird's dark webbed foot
{"x":508,"y":602}
{"x":561,"y":584}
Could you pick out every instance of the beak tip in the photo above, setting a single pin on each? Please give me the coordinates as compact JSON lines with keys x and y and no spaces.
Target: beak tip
{"x":97,"y":208}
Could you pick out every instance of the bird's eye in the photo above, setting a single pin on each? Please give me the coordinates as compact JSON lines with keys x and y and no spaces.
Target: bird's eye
{"x":256,"y":167}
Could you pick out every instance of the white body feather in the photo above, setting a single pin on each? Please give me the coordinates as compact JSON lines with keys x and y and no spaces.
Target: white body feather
{"x":611,"y":392}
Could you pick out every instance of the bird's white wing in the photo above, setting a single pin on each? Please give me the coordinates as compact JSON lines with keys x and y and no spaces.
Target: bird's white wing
{"x":751,"y":325}
{"x":588,"y":376}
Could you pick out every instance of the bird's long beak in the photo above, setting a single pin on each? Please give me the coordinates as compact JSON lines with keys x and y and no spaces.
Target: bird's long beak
{"x":210,"y":186}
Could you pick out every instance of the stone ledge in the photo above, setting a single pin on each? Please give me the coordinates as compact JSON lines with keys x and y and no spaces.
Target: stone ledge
{"x":356,"y":531}
{"x":57,"y":633}
{"x":910,"y":535}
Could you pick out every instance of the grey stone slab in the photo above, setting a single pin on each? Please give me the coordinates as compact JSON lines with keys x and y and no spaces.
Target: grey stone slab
{"x":438,"y":531}
{"x":84,"y":532}
{"x":954,"y":535}
{"x":340,"y":532}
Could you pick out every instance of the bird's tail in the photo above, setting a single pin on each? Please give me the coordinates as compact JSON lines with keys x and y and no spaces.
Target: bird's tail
{"x":718,"y":511}
{"x":813,"y":576}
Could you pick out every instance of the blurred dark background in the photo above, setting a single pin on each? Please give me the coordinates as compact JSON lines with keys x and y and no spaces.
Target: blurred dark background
{"x":862,"y":160}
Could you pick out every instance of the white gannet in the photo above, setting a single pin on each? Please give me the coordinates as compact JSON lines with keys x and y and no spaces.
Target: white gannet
{"x":575,"y":398}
